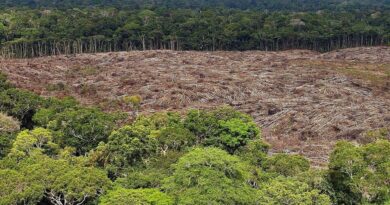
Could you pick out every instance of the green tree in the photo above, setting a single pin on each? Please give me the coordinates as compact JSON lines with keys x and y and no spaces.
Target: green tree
{"x":8,"y":129}
{"x":51,"y":108}
{"x":127,"y":146}
{"x":152,"y":174}
{"x":175,"y":138}
{"x":63,"y":183}
{"x":82,"y":128}
{"x":317,"y":179}
{"x":286,"y":165}
{"x":20,"y":104}
{"x":236,"y":133}
{"x":224,"y":127}
{"x":359,"y":174}
{"x":136,"y":144}
{"x":15,"y":189}
{"x":346,"y":163}
{"x":210,"y":176}
{"x":134,"y":102}
{"x":290,"y":191}
{"x":4,"y":84}
{"x":122,"y":196}
{"x":374,"y":185}
{"x":255,"y":152}
{"x":6,"y":140}
{"x":29,"y":142}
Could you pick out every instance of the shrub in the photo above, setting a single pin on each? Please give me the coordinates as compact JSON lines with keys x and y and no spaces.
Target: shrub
{"x":210,"y":176}
{"x":8,"y":124}
{"x":360,"y":174}
{"x":82,"y":128}
{"x":8,"y":129}
{"x":21,"y":105}
{"x":224,"y":127}
{"x":286,"y":165}
{"x":4,"y":84}
{"x":290,"y":191}
{"x":121,"y":196}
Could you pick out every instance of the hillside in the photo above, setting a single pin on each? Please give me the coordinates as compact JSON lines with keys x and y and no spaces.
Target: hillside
{"x":304,"y":101}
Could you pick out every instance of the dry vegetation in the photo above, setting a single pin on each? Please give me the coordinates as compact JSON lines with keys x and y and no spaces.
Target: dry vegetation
{"x":303,"y":100}
{"x":8,"y":124}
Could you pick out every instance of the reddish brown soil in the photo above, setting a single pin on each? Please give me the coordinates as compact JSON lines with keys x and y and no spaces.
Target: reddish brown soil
{"x":304,"y":101}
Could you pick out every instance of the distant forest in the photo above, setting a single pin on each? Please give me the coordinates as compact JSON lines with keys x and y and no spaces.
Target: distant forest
{"x":273,"y":5}
{"x":188,"y":25}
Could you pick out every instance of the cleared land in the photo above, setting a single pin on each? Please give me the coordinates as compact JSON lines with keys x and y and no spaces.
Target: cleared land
{"x":303,"y":100}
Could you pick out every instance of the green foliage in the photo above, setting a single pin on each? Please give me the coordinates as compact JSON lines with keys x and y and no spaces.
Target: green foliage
{"x":236,"y":133}
{"x":15,"y":189}
{"x":145,"y":178}
{"x":286,"y":165}
{"x":27,"y":31}
{"x":128,"y":146}
{"x":290,"y":191}
{"x":121,"y":196}
{"x":51,"y":107}
{"x":159,"y":120}
{"x":61,"y":181}
{"x":317,"y":179}
{"x":255,"y":152}
{"x":210,"y":176}
{"x":134,"y":101}
{"x":79,"y":184}
{"x":29,"y":142}
{"x":142,"y":142}
{"x":359,"y":174}
{"x":56,"y":87}
{"x":274,"y":5}
{"x":20,"y":104}
{"x":176,"y":138}
{"x":4,"y":84}
{"x":151,"y":175}
{"x":224,"y":127}
{"x":8,"y":129}
{"x":82,"y":128}
{"x":376,"y":134}
{"x":6,"y":140}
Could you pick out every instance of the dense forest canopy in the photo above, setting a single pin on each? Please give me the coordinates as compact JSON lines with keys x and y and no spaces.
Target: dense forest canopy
{"x":272,"y":5}
{"x":30,"y":28}
{"x":39,"y":32}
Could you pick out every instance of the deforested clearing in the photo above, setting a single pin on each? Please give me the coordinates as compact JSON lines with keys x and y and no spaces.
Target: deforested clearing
{"x":304,"y":101}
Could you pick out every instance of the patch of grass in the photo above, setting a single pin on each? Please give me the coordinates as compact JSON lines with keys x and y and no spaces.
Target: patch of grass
{"x":376,"y":134}
{"x":375,"y":74}
{"x":88,"y":70}
{"x":88,"y":89}
{"x":56,"y":87}
{"x":387,"y":73}
{"x":362,"y":74}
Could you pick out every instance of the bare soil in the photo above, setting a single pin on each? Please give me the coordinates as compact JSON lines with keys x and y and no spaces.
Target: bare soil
{"x":304,"y":101}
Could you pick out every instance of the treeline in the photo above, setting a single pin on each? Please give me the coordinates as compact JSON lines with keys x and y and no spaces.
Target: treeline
{"x":272,"y":5}
{"x":40,"y":32}
{"x":55,"y":151}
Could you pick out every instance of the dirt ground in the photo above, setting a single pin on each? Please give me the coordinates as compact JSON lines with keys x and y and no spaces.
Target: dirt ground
{"x":304,"y":101}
